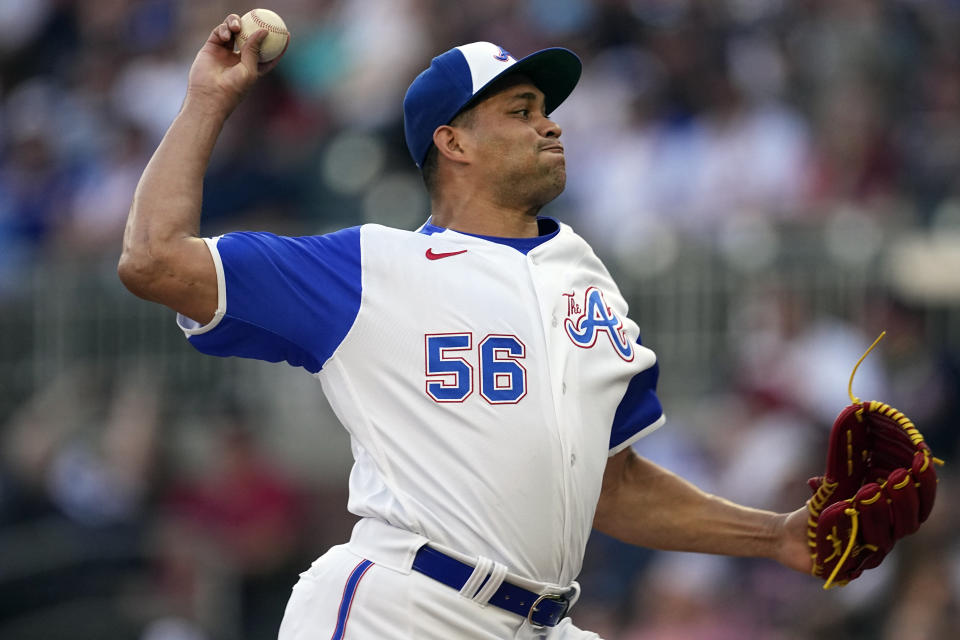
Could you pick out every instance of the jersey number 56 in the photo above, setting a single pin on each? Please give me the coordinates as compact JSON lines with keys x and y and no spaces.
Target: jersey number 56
{"x":449,"y":364}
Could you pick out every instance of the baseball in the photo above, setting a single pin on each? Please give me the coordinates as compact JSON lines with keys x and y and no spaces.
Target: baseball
{"x":276,"y":41}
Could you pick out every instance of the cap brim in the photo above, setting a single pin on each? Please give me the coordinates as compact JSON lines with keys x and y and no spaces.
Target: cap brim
{"x":555,"y":71}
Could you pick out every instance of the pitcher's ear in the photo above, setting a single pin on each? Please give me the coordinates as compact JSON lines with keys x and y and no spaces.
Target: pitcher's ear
{"x":451,"y":143}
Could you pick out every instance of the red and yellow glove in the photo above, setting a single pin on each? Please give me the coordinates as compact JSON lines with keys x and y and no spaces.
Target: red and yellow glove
{"x":879,"y":486}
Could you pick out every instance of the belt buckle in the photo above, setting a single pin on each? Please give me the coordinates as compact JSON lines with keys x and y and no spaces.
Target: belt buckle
{"x":547,"y":596}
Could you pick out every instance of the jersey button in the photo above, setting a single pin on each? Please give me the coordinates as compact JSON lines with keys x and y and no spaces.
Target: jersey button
{"x":573,"y":459}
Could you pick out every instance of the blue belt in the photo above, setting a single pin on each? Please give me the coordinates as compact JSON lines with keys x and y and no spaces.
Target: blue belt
{"x":539,"y":610}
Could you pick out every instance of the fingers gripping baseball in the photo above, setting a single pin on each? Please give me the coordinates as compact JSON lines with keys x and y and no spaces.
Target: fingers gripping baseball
{"x":250,"y":53}
{"x":219,"y":75}
{"x":222,"y":34}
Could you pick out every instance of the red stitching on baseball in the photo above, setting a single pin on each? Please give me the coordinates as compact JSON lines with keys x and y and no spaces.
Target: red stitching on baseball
{"x":265,"y":25}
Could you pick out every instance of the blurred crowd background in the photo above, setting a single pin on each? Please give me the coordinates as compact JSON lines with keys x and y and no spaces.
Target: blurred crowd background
{"x":773,"y":182}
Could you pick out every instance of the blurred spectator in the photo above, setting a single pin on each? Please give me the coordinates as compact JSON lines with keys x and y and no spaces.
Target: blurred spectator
{"x":683,"y":597}
{"x":97,"y":211}
{"x":75,"y":526}
{"x":243,"y":519}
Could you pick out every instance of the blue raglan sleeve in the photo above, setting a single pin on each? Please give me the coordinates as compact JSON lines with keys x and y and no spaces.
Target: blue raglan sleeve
{"x":639,"y":412}
{"x":282,"y":298}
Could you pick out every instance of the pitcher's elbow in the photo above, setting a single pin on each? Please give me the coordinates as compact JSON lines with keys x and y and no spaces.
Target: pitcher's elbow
{"x":136,"y":272}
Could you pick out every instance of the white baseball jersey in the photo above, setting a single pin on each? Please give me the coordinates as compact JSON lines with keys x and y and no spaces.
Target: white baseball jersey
{"x":484,"y":381}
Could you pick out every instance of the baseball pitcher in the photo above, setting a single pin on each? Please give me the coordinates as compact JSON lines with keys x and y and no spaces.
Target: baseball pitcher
{"x":484,"y":365}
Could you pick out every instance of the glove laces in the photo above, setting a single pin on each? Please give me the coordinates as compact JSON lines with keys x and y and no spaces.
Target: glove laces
{"x":854,"y":399}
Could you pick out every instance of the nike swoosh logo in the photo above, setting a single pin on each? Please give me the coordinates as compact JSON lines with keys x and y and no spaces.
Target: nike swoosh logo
{"x":436,"y":256}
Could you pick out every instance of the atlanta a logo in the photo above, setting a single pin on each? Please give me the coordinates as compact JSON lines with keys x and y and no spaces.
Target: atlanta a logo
{"x":583,"y":323}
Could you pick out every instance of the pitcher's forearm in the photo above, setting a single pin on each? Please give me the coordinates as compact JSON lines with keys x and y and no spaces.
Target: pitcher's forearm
{"x":166,"y":205}
{"x":709,"y":524}
{"x":163,"y":260}
{"x":652,"y":507}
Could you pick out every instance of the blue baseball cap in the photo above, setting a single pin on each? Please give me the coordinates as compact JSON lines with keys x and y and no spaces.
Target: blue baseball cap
{"x":458,"y":78}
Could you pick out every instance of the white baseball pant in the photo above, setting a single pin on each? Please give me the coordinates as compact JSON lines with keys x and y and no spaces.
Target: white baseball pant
{"x":344,"y":596}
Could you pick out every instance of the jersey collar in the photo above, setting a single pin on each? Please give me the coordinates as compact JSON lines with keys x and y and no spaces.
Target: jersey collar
{"x":547,"y":226}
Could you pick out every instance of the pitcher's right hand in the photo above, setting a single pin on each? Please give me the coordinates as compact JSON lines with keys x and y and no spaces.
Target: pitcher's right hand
{"x":219,"y":77}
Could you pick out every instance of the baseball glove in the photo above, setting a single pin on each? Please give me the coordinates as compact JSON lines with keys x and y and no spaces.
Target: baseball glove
{"x":879,"y":486}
